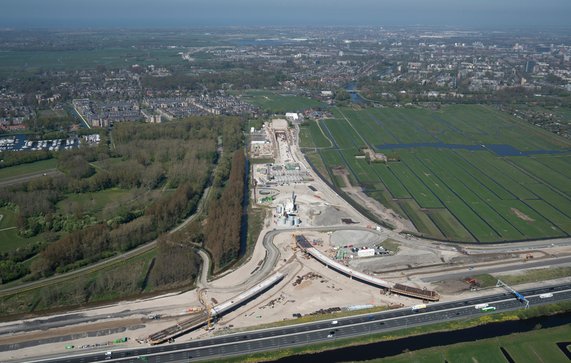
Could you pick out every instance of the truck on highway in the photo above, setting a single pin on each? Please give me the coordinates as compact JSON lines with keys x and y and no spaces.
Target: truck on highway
{"x":546,"y":295}
{"x":418,"y":307}
{"x":489,"y":308}
{"x":480,"y":306}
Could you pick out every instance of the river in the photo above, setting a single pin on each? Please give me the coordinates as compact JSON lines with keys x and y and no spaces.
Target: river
{"x":498,"y":149}
{"x":355,"y":97}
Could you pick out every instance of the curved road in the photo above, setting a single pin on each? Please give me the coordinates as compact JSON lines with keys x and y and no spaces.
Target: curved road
{"x":270,"y":261}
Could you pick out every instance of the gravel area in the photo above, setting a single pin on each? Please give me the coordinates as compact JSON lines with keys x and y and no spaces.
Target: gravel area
{"x":355,"y":238}
{"x":327,"y":216}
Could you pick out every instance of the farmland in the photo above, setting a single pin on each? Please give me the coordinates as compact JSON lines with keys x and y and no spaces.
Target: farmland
{"x":279,"y":103}
{"x":311,"y":136}
{"x":26,"y":61}
{"x":460,"y":173}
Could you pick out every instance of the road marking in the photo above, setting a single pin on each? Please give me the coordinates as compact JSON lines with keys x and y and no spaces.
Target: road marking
{"x":259,"y":341}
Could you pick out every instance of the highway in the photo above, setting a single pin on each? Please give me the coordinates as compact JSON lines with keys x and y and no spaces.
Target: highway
{"x":315,"y":332}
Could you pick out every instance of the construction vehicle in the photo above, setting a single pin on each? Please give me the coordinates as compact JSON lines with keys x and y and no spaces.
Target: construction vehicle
{"x":472,"y":282}
{"x":529,"y":256}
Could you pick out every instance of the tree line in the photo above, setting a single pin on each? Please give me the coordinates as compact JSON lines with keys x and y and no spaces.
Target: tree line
{"x":173,"y":160}
{"x":223,"y":229}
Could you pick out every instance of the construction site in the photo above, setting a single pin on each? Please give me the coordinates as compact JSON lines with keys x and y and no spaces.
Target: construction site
{"x":315,"y":256}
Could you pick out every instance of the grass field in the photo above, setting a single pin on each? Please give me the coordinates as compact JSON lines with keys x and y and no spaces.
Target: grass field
{"x":535,"y":275}
{"x":311,"y":136}
{"x":19,"y":170}
{"x":466,"y":173}
{"x":279,"y":103}
{"x":93,"y":203}
{"x":536,"y":346}
{"x":9,"y":238}
{"x":32,"y":61}
{"x":51,"y":113}
{"x":116,"y":281}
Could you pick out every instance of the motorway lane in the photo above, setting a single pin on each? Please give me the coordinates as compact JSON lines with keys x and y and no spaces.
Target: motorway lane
{"x":302,"y":334}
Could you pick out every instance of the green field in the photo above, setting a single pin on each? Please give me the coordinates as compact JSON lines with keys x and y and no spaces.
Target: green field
{"x":19,"y":170}
{"x":279,"y":103}
{"x":9,"y":237}
{"x":537,"y":346}
{"x":51,"y":113}
{"x":32,"y":61}
{"x":94,"y":203}
{"x":461,"y":175}
{"x":311,"y":136}
{"x":122,"y":279}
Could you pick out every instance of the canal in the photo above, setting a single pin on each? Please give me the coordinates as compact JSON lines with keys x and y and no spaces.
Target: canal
{"x":395,"y":347}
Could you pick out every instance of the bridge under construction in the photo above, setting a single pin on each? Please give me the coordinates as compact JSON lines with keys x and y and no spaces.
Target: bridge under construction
{"x":206,"y":316}
{"x":400,"y":289}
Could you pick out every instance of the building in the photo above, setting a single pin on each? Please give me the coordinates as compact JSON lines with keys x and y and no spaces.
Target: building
{"x":292,"y":116}
{"x":367,"y":252}
{"x":259,"y":137}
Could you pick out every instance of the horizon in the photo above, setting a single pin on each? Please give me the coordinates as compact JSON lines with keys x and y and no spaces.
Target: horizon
{"x":258,"y":13}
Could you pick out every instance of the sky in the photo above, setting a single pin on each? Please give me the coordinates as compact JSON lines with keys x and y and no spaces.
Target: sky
{"x":190,"y":13}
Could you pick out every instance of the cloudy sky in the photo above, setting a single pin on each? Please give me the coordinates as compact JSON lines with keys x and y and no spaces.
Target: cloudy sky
{"x":188,"y":13}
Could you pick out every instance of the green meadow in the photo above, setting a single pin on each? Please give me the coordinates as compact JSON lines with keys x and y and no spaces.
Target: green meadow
{"x":454,"y":178}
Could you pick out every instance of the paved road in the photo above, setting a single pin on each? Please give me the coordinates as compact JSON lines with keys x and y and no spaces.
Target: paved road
{"x":302,"y":334}
{"x":29,"y":176}
{"x":495,"y":269}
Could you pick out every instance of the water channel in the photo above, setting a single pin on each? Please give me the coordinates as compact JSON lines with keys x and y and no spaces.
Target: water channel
{"x":398,"y":346}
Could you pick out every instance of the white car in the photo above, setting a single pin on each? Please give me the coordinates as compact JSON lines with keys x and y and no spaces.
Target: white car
{"x":334,"y":322}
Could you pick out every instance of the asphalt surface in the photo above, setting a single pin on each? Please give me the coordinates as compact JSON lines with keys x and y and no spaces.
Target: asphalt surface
{"x":27,"y":177}
{"x":496,"y":269}
{"x":265,"y":269}
{"x":302,"y":334}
